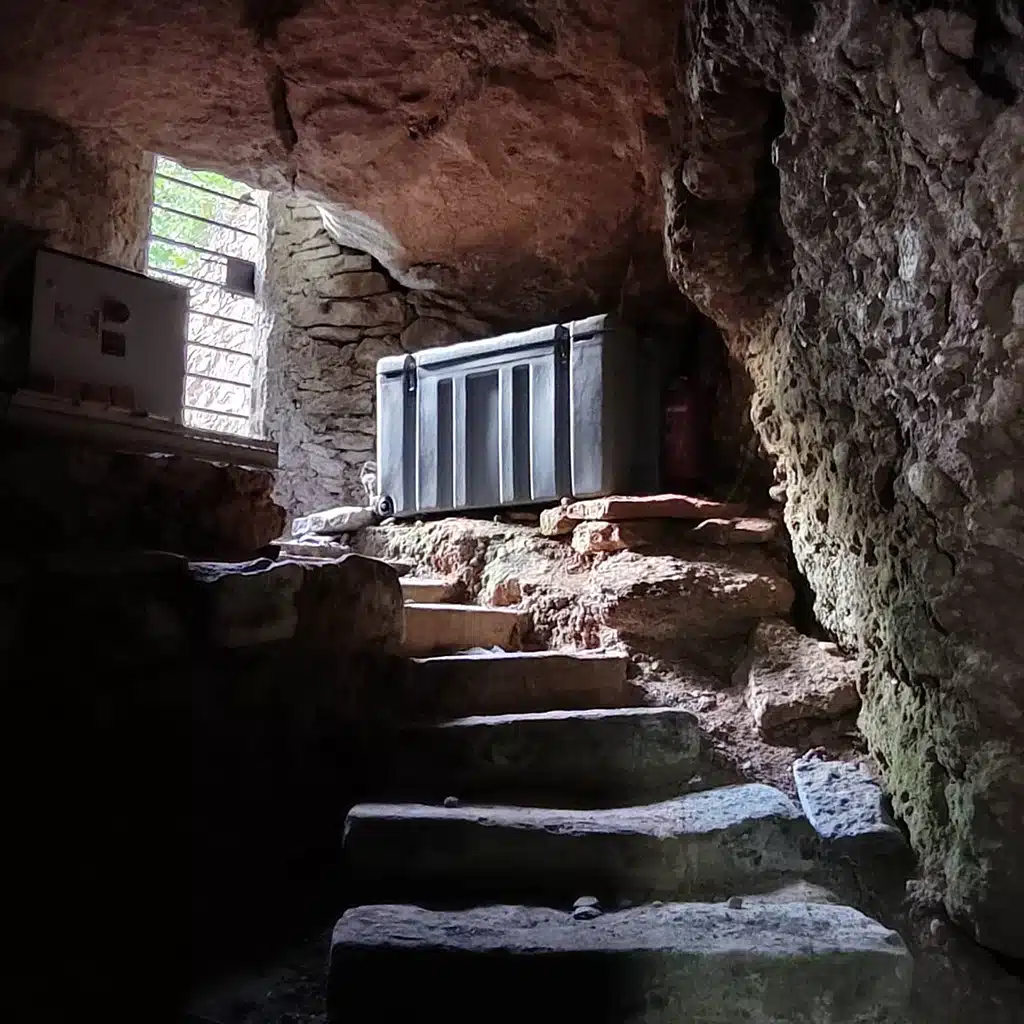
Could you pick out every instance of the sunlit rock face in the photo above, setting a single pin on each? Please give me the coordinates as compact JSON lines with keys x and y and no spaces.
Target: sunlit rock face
{"x":848,"y":204}
{"x":507,"y":149}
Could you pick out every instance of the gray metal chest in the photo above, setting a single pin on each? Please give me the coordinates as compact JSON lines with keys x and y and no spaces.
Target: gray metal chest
{"x":567,"y":410}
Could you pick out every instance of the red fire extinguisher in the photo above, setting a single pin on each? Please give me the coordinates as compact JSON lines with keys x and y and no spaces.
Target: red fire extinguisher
{"x":682,"y":449}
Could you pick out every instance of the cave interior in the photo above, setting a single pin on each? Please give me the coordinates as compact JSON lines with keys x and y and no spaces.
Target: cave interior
{"x":815,"y":212}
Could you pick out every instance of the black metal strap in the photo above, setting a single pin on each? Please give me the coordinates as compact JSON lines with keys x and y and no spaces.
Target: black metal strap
{"x":563,"y":424}
{"x":410,"y":431}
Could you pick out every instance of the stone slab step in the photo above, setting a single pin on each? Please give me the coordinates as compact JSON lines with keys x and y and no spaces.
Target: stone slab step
{"x":426,"y":591}
{"x":736,"y":839}
{"x":598,"y":755}
{"x":502,"y":683}
{"x":766,"y":964}
{"x":439,"y":627}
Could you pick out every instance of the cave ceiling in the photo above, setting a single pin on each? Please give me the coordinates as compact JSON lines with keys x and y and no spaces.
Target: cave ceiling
{"x":507,"y":150}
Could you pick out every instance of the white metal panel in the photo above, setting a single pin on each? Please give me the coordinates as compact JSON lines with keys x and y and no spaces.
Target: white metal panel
{"x":101,"y":325}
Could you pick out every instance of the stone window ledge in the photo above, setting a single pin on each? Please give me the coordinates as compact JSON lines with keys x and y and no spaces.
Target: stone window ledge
{"x":42,"y":413}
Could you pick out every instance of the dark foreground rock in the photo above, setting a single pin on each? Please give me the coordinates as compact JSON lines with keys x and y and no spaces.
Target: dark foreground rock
{"x":554,"y":757}
{"x":791,"y":963}
{"x":713,"y":843}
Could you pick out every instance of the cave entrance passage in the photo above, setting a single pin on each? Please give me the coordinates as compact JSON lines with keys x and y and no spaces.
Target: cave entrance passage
{"x":207,"y":232}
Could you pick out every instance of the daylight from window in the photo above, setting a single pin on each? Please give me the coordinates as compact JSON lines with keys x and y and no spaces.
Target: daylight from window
{"x":205,"y":235}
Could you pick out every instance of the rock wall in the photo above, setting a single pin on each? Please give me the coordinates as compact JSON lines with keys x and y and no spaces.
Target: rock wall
{"x":848,"y":204}
{"x":78,"y":497}
{"x":331,"y":313}
{"x":83,"y":192}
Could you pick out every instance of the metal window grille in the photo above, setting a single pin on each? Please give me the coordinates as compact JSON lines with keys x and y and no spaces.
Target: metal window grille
{"x":204,"y":234}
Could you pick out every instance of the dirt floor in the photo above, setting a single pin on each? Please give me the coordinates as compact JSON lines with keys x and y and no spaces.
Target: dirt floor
{"x":733,"y":745}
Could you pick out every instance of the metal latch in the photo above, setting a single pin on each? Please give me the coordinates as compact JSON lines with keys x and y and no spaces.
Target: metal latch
{"x":561,"y":343}
{"x":409,"y":375}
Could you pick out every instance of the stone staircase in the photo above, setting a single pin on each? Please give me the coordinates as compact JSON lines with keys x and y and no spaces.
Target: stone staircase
{"x":553,"y":852}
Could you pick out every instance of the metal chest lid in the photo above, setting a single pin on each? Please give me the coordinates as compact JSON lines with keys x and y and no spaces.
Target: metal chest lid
{"x":517,"y":341}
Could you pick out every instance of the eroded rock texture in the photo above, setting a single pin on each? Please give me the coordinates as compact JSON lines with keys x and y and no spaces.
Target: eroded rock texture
{"x":392,"y":111}
{"x":888,"y":371}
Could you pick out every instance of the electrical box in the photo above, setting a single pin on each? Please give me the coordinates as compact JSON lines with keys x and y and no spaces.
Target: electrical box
{"x":105,"y":328}
{"x":563,"y":411}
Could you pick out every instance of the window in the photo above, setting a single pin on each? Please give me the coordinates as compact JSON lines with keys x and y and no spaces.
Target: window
{"x":205,"y":233}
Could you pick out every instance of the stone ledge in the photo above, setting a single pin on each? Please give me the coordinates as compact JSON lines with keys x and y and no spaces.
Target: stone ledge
{"x":791,"y":963}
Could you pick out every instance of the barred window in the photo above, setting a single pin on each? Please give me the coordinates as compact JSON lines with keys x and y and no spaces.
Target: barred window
{"x":205,"y":234}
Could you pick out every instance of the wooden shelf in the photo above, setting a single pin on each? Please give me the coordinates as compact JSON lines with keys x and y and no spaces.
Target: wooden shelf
{"x":93,"y":422}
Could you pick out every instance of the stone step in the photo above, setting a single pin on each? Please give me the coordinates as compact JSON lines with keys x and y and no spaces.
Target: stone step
{"x":499,"y":683}
{"x":784,"y":964}
{"x":601,"y":756}
{"x":736,"y":839}
{"x":453,"y":627}
{"x":426,"y":591}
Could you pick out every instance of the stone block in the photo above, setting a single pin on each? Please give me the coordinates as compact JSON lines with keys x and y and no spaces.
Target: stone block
{"x":340,"y":263}
{"x":344,"y":519}
{"x":599,"y":754}
{"x":664,"y":597}
{"x":555,"y":523}
{"x":351,"y":285}
{"x":846,"y":807}
{"x":795,"y":963}
{"x":745,"y":530}
{"x":426,"y":591}
{"x":325,"y":607}
{"x":439,"y":627}
{"x":513,"y":682}
{"x":793,"y":678}
{"x":716,"y":843}
{"x":429,"y":332}
{"x":374,"y":311}
{"x":658,"y":506}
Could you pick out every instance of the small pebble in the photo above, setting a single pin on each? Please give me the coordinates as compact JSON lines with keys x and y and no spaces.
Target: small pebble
{"x":451,"y":801}
{"x":735,"y":902}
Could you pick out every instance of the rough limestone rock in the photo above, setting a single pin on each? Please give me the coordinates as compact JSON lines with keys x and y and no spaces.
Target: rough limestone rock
{"x":793,"y":678}
{"x":661,"y":506}
{"x":733,"y":839}
{"x":607,"y":538}
{"x":352,"y":603}
{"x":554,"y":522}
{"x":629,"y":753}
{"x":333,"y":521}
{"x":796,"y":963}
{"x":662,"y":597}
{"x":695,"y":594}
{"x":391,"y":116}
{"x":846,"y":806}
{"x":848,"y":208}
